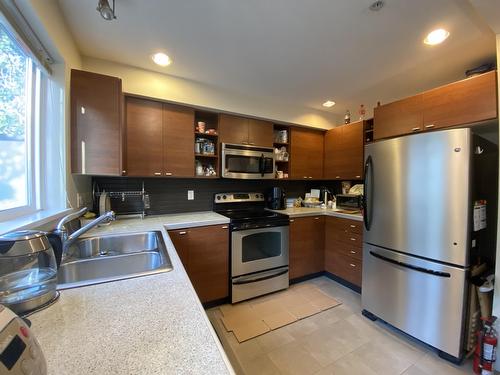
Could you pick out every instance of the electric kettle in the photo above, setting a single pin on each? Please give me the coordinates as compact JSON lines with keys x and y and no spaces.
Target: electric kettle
{"x":28,"y":271}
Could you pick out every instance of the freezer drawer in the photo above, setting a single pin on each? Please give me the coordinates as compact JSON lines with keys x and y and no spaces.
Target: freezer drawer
{"x":424,"y":299}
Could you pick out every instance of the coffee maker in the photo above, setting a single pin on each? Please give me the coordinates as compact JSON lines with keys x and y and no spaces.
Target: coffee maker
{"x":276,"y":198}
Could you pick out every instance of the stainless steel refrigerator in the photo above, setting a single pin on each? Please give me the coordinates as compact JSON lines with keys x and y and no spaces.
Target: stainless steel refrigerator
{"x":417,"y":235}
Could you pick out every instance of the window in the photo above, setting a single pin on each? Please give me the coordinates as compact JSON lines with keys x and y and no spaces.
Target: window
{"x":31,"y":133}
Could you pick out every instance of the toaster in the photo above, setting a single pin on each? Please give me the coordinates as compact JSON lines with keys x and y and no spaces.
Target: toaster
{"x":20,"y":352}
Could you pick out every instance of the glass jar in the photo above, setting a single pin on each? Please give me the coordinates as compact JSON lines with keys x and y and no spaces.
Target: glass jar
{"x":28,"y":270}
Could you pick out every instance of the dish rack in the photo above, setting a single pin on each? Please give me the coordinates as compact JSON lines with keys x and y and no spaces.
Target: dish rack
{"x":122,"y":198}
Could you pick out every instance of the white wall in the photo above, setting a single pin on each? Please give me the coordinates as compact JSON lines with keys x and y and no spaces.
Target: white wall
{"x":46,"y":19}
{"x":162,"y":86}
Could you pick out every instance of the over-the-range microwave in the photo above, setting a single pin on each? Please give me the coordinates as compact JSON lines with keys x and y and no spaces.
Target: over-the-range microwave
{"x":247,"y":162}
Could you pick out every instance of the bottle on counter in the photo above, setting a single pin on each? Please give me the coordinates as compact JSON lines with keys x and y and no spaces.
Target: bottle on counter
{"x":347,"y":117}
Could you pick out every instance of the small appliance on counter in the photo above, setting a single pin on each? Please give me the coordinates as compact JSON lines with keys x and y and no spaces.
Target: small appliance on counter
{"x":28,"y":271}
{"x":20,"y":352}
{"x":350,"y":202}
{"x":325,"y":195}
{"x":276,"y":199}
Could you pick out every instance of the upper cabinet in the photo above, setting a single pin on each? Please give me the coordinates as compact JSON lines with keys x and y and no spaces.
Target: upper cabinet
{"x":306,"y":150}
{"x":344,"y":152}
{"x":159,"y":139}
{"x":241,"y":130}
{"x":96,"y":105}
{"x":464,"y":102}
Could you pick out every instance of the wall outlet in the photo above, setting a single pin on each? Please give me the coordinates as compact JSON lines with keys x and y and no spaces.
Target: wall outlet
{"x":190,"y":195}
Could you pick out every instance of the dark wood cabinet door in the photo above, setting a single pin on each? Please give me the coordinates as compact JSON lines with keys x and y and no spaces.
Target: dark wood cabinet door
{"x":178,"y":141}
{"x":333,"y":153}
{"x":233,"y":129}
{"x":144,"y":126}
{"x":180,"y":239}
{"x":260,"y":133}
{"x":343,"y":249}
{"x":208,"y":265}
{"x":306,"y":154}
{"x":463,"y":102}
{"x":307,"y":246}
{"x":398,"y":118}
{"x":95,"y":124}
{"x":351,"y":157}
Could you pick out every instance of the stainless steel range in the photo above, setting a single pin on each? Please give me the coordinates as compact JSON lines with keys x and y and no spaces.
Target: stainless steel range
{"x":259,"y":245}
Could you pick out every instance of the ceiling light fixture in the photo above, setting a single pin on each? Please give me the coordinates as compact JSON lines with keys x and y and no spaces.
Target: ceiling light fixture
{"x":105,"y":10}
{"x":161,"y":59}
{"x":328,"y":103}
{"x":436,"y":37}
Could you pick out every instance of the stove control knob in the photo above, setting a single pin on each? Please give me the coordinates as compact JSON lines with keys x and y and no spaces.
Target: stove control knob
{"x":224,"y":197}
{"x":218,"y":197}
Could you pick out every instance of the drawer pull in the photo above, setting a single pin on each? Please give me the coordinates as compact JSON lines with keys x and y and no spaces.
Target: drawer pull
{"x":292,"y":220}
{"x":429,"y":126}
{"x":157,"y":173}
{"x":352,"y":226}
{"x":415,"y":129}
{"x":358,"y":176}
{"x":224,"y":227}
{"x":316,"y":218}
{"x":352,"y":265}
{"x":168,"y":173}
{"x":305,"y":176}
{"x":337,"y":176}
{"x":353,"y":252}
{"x":182,"y":233}
{"x":353,"y":239}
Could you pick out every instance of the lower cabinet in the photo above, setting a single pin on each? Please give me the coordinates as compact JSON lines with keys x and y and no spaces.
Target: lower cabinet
{"x":204,"y":252}
{"x":306,"y":246}
{"x":343,"y":249}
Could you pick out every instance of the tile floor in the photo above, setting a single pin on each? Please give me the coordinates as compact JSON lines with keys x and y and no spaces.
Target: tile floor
{"x":337,"y":341}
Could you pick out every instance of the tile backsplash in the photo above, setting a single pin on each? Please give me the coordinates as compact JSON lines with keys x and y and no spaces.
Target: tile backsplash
{"x":171,"y":195}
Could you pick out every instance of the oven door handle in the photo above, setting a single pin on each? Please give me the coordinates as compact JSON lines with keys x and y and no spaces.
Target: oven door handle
{"x":248,"y":281}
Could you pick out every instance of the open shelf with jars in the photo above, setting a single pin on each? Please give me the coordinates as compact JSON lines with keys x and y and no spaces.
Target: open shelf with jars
{"x":368,"y":131}
{"x":206,"y":144}
{"x":281,"y":145}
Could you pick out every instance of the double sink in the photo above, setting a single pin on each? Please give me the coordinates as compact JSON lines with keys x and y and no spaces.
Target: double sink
{"x":100,"y":259}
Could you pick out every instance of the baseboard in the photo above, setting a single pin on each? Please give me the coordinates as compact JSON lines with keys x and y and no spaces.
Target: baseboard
{"x":340,"y":280}
{"x":306,"y":277}
{"x":215,"y":303}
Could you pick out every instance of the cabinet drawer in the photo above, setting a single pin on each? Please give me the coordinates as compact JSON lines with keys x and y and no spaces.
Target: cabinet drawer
{"x":351,"y":251}
{"x":346,"y":267}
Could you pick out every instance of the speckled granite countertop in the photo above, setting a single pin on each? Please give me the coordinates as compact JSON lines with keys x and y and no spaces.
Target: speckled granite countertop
{"x":147,"y":325}
{"x":304,"y":211}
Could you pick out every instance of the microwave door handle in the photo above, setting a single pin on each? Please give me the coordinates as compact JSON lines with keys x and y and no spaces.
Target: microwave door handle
{"x":261,"y":165}
{"x":368,"y":196}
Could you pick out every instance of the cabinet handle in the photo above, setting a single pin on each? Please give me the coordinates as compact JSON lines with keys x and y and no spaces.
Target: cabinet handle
{"x":84,"y":158}
{"x":352,"y":226}
{"x":352,"y":265}
{"x":124,"y":172}
{"x":305,"y":176}
{"x":337,"y":176}
{"x":182,"y":233}
{"x":168,"y":174}
{"x":316,"y":218}
{"x":82,"y":110}
{"x":244,"y":143}
{"x":353,"y":239}
{"x":292,"y":220}
{"x":358,"y":176}
{"x":224,"y":227}
{"x":157,"y":173}
{"x":251,"y":143}
{"x":310,"y":176}
{"x":415,"y":129}
{"x":429,"y":126}
{"x":352,"y":252}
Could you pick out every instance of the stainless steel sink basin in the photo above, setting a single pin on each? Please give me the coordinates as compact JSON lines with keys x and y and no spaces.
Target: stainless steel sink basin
{"x":100,"y":259}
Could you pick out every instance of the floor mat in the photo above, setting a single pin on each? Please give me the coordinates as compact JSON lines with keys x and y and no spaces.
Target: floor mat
{"x":253,"y":318}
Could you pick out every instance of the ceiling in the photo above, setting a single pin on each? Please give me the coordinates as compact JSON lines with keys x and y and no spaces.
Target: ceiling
{"x":294,"y":51}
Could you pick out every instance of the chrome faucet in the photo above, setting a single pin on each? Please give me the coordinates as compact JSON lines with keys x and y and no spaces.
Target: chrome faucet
{"x":68,"y":240}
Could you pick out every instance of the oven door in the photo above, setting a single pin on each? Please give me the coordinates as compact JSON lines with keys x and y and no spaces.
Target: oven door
{"x":247,"y":162}
{"x":259,"y":249}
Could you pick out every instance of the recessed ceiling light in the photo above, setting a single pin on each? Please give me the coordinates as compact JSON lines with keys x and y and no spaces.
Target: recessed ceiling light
{"x":436,"y":37}
{"x":328,"y":104}
{"x":161,"y":59}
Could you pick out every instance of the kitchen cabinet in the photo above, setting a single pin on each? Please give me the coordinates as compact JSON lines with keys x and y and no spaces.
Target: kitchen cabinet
{"x":306,"y":246}
{"x":398,"y":118}
{"x":464,"y":102}
{"x":343,"y":249}
{"x":241,"y":130}
{"x":159,"y":139}
{"x":204,"y":252}
{"x":344,"y":152}
{"x":96,"y":134}
{"x":306,"y":150}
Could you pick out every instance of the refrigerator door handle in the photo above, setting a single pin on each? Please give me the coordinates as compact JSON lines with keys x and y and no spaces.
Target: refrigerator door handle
{"x":368,"y":197}
{"x":410,"y":266}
